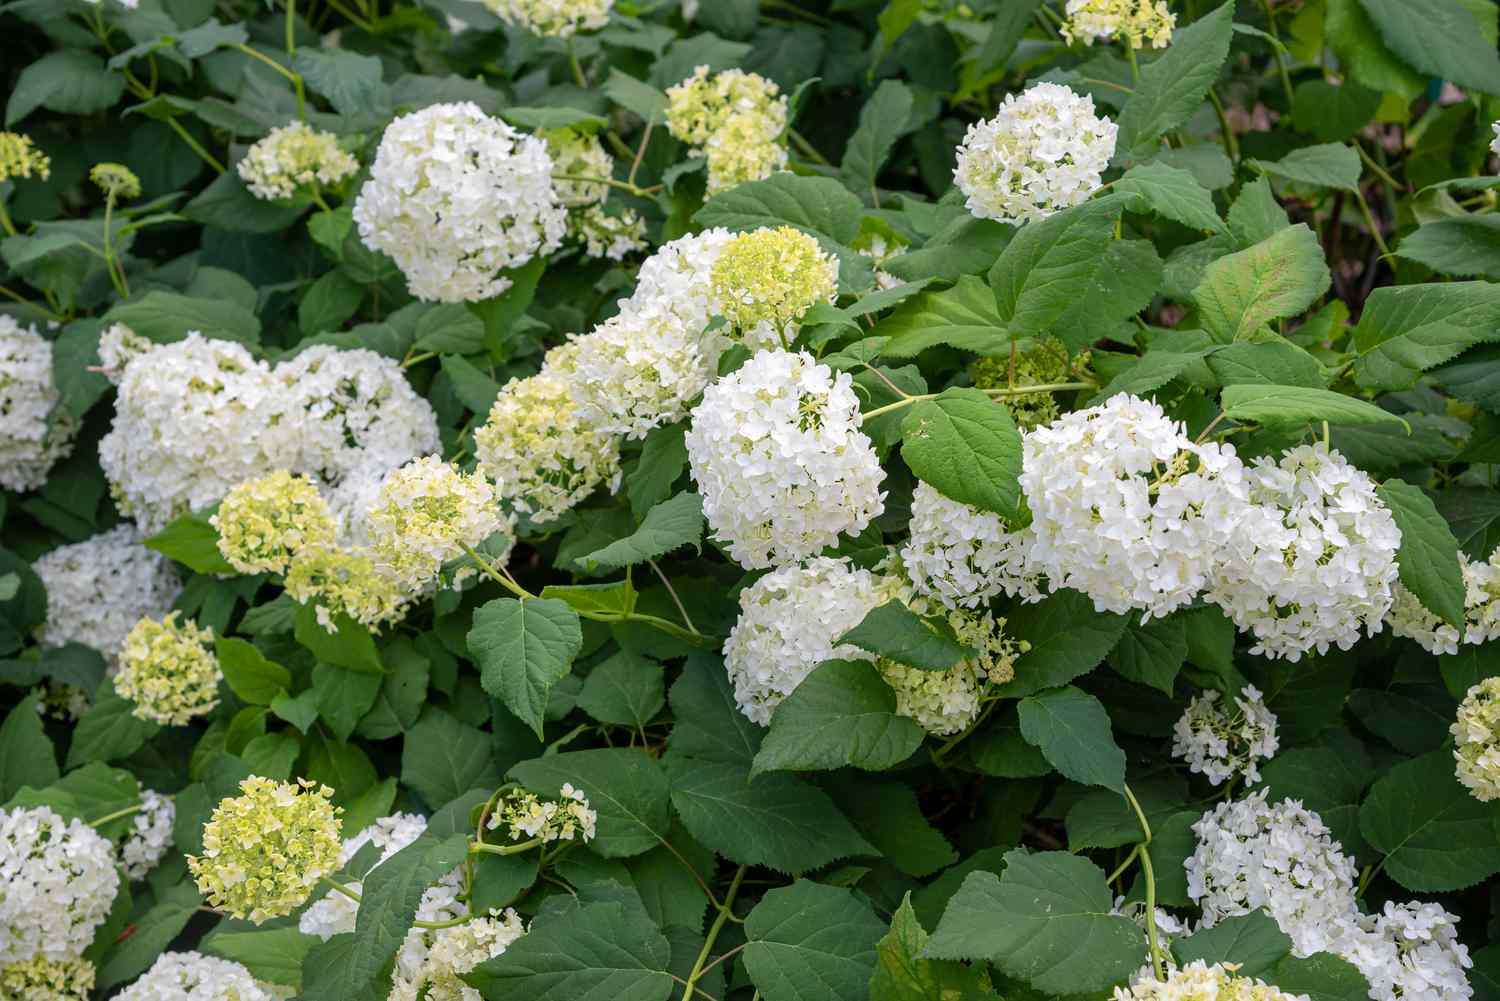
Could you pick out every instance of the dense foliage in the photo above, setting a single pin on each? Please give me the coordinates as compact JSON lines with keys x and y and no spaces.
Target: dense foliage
{"x":796,"y":500}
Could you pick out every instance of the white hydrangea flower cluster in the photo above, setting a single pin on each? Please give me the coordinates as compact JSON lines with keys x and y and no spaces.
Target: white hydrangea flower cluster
{"x":335,"y":913}
{"x":118,"y":346}
{"x":1045,"y":150}
{"x":455,"y":197}
{"x":1408,"y":952}
{"x":1198,"y":981}
{"x":34,"y":435}
{"x":553,"y":18}
{"x":788,"y":622}
{"x":1410,"y":618}
{"x":1222,"y":745}
{"x":192,"y":976}
{"x":1278,"y":858}
{"x":1138,"y":22}
{"x":59,"y":880}
{"x":150,"y":834}
{"x":526,"y":816}
{"x":1495,"y":142}
{"x":963,"y":556}
{"x":736,"y":120}
{"x":98,"y":589}
{"x":777,"y":453}
{"x":1476,"y":740}
{"x":292,"y":157}
{"x":427,"y":514}
{"x":577,"y":154}
{"x":431,"y":961}
{"x":679,"y":278}
{"x":609,"y":235}
{"x":1314,"y":558}
{"x":1126,"y":508}
{"x":196,"y":417}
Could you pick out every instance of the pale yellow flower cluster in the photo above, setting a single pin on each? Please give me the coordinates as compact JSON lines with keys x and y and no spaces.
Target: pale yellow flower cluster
{"x":766,"y":280}
{"x":1197,"y":981}
{"x":168,"y":672}
{"x":578,"y":155}
{"x":43,"y":979}
{"x":737,"y":120}
{"x":264,"y":523}
{"x":345,"y":582}
{"x":1138,"y":22}
{"x":265,"y":850}
{"x":116,"y":180}
{"x":19,"y":157}
{"x":293,"y":157}
{"x":524,"y":816}
{"x":429,"y":513}
{"x":1476,"y":740}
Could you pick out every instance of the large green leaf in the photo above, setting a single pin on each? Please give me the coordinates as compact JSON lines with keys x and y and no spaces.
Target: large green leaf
{"x":1289,"y":407}
{"x":1072,"y":730}
{"x":26,"y":755}
{"x":1332,"y":165}
{"x":523,"y":648}
{"x":1067,"y":638}
{"x":1048,"y":920}
{"x":1436,"y":835}
{"x":882,"y":121}
{"x":967,"y":447}
{"x":1172,"y":193}
{"x":1252,"y":940}
{"x":590,"y":953}
{"x":1466,"y":246}
{"x":903,"y":974}
{"x":1278,"y":277}
{"x":627,"y":788}
{"x":248,"y":673}
{"x":1407,"y":329}
{"x":843,"y":713}
{"x":443,"y":757}
{"x":1052,"y":265}
{"x":669,"y":525}
{"x":811,"y":942}
{"x":1441,"y":38}
{"x":897,"y":633}
{"x":70,"y":81}
{"x":964,"y":316}
{"x":1428,"y":557}
{"x":1173,"y":86}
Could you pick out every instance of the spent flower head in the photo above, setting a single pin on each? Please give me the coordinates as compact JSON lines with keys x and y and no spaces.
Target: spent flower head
{"x":168,"y":670}
{"x":765,"y":280}
{"x":264,"y":523}
{"x":1044,"y":363}
{"x":295,"y":157}
{"x":265,"y":850}
{"x":116,"y":180}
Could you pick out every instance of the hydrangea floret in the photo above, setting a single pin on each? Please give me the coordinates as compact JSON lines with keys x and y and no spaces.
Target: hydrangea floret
{"x":765,"y":280}
{"x":1137,"y":23}
{"x":427,"y":514}
{"x":295,"y":157}
{"x":524,"y":816}
{"x":265,"y":850}
{"x":1476,"y":740}
{"x":20,"y":158}
{"x":553,"y":18}
{"x":43,"y":979}
{"x":346,"y":581}
{"x":735,"y":119}
{"x":962,"y":556}
{"x":192,"y":976}
{"x":150,"y":834}
{"x":1199,"y":981}
{"x":1221,"y":743}
{"x":98,"y":589}
{"x":34,"y":434}
{"x":265,"y":522}
{"x":59,"y":878}
{"x":169,"y":671}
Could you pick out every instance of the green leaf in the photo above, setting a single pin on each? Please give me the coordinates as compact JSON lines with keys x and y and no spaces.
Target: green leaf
{"x":633,"y":95}
{"x":350,"y":81}
{"x":1406,"y":330}
{"x":999,"y":749}
{"x":1072,"y":729}
{"x":150,"y":935}
{"x":193,"y":542}
{"x":1153,"y":653}
{"x":882,"y":121}
{"x":1320,"y":977}
{"x":597,"y":951}
{"x":1333,"y":165}
{"x":1474,"y":377}
{"x":68,"y":81}
{"x":108,"y":731}
{"x":1047,"y":921}
{"x":1278,"y":362}
{"x":963,"y":316}
{"x":1278,"y":277}
{"x":344,"y":696}
{"x":1292,"y":407}
{"x":1327,"y":782}
{"x":669,"y":525}
{"x":887,"y":813}
{"x":228,"y":204}
{"x":449,"y":328}
{"x":1052,"y":264}
{"x":1252,"y":940}
{"x":1436,"y":835}
{"x":249,"y":674}
{"x":26,"y":754}
{"x":349,"y":645}
{"x":474,"y":389}
{"x":902,"y":974}
{"x":843,"y":713}
{"x":1067,"y":639}
{"x":270,"y":954}
{"x":1333,"y":112}
{"x":328,"y":302}
{"x":1466,"y":246}
{"x":442,"y":758}
{"x":554,"y":118}
{"x":811,"y":942}
{"x":1172,"y":87}
{"x":523,"y":648}
{"x":1439,"y":37}
{"x":626,"y":690}
{"x":819,"y":206}
{"x":894,"y":631}
{"x":1355,"y":39}
{"x":165,"y":317}
{"x":1172,"y":193}
{"x":709,"y":725}
{"x":775,"y":820}
{"x":626,"y":787}
{"x":967,"y":447}
{"x":1428,"y":557}
{"x":663,"y":458}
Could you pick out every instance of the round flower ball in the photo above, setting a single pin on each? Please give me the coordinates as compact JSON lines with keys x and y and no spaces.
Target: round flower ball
{"x":58,"y":880}
{"x":1198,"y":981}
{"x":33,"y":435}
{"x":963,"y":556}
{"x":294,"y":157}
{"x":263,"y":523}
{"x":1221,"y":743}
{"x":192,"y":976}
{"x":1137,"y":22}
{"x":777,"y":453}
{"x":265,"y":850}
{"x":767,"y":279}
{"x":1045,"y":150}
{"x":455,"y":197}
{"x":1476,"y":740}
{"x":168,"y":670}
{"x":553,"y":18}
{"x":42,"y":979}
{"x":427,"y":514}
{"x":98,"y":589}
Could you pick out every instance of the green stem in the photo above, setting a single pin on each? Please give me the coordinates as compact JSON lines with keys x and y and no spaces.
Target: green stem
{"x":5,"y":223}
{"x":10,"y":293}
{"x":1049,"y":387}
{"x":806,"y":148}
{"x":291,"y":29}
{"x":1135,"y":69}
{"x":713,"y":933}
{"x":1157,"y":963}
{"x":1134,"y":851}
{"x":1377,"y":169}
{"x":351,"y":15}
{"x":1231,"y":142}
{"x":639,"y":192}
{"x":116,"y":275}
{"x":195,"y":146}
{"x":1286,"y":79}
{"x":1364,"y":208}
{"x":127,"y":811}
{"x":294,"y":77}
{"x":577,"y":69}
{"x":477,"y":847}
